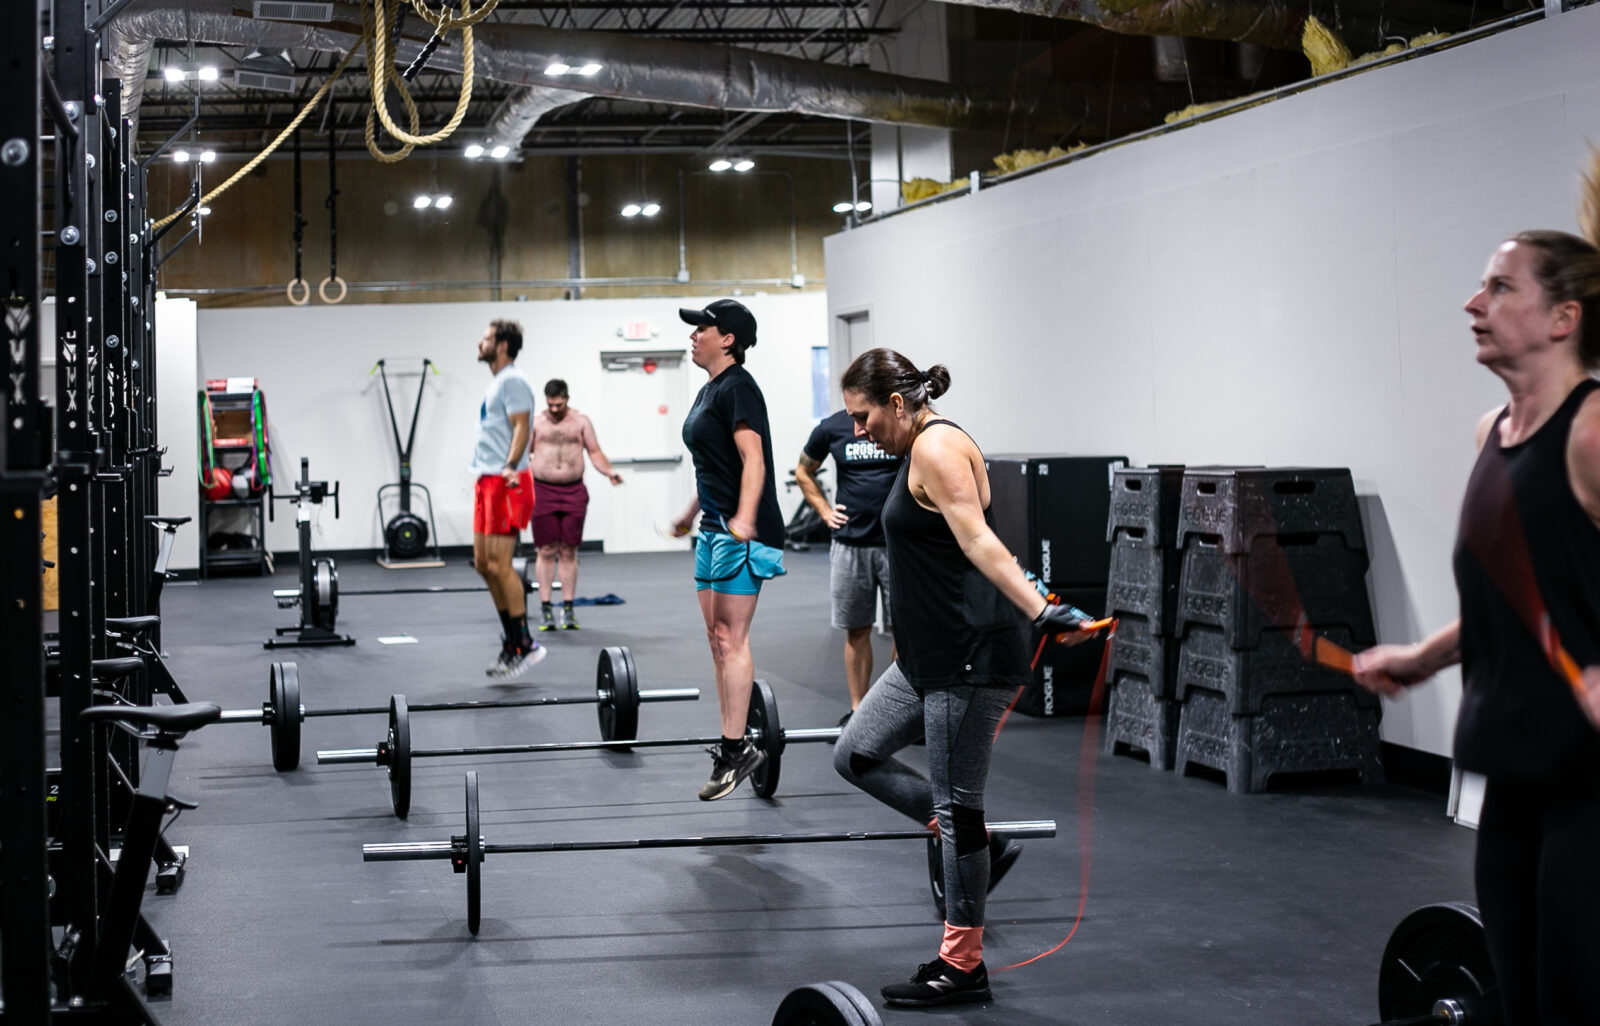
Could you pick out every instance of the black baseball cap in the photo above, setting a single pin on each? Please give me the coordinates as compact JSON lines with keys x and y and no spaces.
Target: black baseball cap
{"x":729,"y":316}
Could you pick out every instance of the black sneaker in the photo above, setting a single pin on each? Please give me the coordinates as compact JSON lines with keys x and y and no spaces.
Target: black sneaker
{"x":940,"y":983}
{"x":726,"y":772}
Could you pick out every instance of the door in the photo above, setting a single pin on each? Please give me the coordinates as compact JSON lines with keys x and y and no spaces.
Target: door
{"x":645,"y":398}
{"x":852,"y":336}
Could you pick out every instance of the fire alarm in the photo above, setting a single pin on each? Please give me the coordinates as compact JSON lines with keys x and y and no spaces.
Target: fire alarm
{"x":649,"y":365}
{"x":662,"y":409}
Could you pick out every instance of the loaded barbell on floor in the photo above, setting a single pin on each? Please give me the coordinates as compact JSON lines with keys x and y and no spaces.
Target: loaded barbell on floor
{"x":834,"y":1003}
{"x":617,"y":698}
{"x":763,"y":730}
{"x":1436,"y":970}
{"x":467,"y":851}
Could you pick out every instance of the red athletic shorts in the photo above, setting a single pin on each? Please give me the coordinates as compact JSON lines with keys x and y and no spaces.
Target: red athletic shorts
{"x":559,"y":520}
{"x":497,"y":509}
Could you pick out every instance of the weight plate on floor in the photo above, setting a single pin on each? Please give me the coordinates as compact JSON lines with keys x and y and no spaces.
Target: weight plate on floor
{"x":1437,"y":952}
{"x":763,"y":721}
{"x":406,"y":534}
{"x":474,"y":855}
{"x":617,"y":691}
{"x":869,"y":1014}
{"x":283,"y":701}
{"x":936,"y":872}
{"x":325,"y":585}
{"x":399,"y":755}
{"x":820,"y":1004}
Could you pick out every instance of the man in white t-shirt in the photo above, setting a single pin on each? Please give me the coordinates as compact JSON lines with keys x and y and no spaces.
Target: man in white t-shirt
{"x":503,"y":497}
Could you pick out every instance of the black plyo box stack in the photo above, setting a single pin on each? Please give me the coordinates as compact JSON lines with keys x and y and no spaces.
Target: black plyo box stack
{"x":1050,"y":512}
{"x":1268,"y":558}
{"x":1142,"y":594}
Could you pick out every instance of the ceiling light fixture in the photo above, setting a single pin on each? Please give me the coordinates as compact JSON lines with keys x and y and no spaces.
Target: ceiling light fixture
{"x":203,"y":211}
{"x":473,"y":151}
{"x":207,"y":74}
{"x":180,"y":155}
{"x":843,"y":207}
{"x":422,"y":202}
{"x":631,"y":210}
{"x":500,"y":152}
{"x":173,"y":74}
{"x":208,"y":157}
{"x":592,"y":68}
{"x":557,"y":69}
{"x":720,"y":164}
{"x":443,"y":202}
{"x":650,"y":209}
{"x":863,"y":206}
{"x":744,"y":164}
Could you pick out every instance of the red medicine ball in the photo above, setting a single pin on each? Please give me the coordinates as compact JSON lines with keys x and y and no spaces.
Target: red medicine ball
{"x":221,"y":484}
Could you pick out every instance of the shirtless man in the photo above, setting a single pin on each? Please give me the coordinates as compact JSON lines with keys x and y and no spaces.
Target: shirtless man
{"x":561,"y":435}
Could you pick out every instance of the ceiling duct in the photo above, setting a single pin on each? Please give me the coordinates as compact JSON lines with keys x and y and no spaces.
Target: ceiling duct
{"x":518,"y":113}
{"x":1270,"y":23}
{"x":632,"y":68}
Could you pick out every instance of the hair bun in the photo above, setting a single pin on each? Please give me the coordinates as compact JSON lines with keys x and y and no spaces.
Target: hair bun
{"x":936,"y":380}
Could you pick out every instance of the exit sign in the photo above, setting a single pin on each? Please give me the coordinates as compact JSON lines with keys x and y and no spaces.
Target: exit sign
{"x":636,"y":331}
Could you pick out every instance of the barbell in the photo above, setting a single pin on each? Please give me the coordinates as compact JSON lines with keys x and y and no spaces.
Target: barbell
{"x":1436,"y":970}
{"x":617,"y":698}
{"x":763,"y":729}
{"x":466,"y":852}
{"x":834,"y":1003}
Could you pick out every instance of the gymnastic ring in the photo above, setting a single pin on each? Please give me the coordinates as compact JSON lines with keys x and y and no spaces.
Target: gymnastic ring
{"x":322,"y":290}
{"x":305,"y":298}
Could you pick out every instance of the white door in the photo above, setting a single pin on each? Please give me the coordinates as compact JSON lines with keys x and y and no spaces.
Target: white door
{"x":645,"y":398}
{"x":852,"y":336}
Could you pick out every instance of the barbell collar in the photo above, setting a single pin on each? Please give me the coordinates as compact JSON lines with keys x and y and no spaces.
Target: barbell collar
{"x":243,"y":716}
{"x":343,"y":755}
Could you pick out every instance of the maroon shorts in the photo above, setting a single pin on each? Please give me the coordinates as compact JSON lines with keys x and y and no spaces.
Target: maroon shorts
{"x":497,"y":509}
{"x":559,"y":519}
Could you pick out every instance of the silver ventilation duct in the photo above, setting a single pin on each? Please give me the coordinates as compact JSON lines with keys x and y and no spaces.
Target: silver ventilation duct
{"x":633,"y":68}
{"x":519,"y":112}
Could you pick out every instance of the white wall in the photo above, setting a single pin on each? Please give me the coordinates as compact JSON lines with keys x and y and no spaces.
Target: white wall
{"x":177,"y":426}
{"x":1282,"y":286}
{"x":313,"y":364}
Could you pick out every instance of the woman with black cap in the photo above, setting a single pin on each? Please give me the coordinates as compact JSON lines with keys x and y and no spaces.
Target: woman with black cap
{"x":741,"y":528}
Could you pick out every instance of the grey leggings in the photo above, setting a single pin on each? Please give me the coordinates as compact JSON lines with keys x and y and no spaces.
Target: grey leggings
{"x":960,"y":724}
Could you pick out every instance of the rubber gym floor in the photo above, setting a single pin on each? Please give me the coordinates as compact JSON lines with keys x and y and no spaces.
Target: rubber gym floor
{"x":1202,"y":907}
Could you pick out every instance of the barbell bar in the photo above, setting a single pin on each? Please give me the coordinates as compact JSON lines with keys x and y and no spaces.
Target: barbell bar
{"x":763,"y":730}
{"x":617,"y":698}
{"x":466,"y":852}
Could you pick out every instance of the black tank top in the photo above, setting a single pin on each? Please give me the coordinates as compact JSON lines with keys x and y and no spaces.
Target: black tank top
{"x":1524,"y":537}
{"x":952,"y":627}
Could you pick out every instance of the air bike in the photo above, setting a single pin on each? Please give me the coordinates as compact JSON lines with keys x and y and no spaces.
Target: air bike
{"x":318,"y":593}
{"x":408,"y":540}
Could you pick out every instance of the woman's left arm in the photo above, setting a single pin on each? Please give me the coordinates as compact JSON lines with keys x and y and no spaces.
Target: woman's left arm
{"x":944,"y":465}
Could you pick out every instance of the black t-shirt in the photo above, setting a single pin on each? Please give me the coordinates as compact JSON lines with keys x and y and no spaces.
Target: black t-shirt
{"x":866,"y":474}
{"x":726,"y":400}
{"x":1526,"y":546}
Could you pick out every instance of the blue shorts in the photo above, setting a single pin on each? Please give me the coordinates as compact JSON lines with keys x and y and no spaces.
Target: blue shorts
{"x":731,"y":567}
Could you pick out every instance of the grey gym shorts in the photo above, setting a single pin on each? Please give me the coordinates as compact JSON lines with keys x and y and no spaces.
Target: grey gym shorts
{"x":856,"y":574}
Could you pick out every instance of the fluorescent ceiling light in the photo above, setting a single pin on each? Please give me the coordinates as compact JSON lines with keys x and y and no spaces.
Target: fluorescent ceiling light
{"x":650,"y":209}
{"x":207,"y":74}
{"x":631,"y":210}
{"x":864,"y":206}
{"x":442,"y":202}
{"x":173,"y":74}
{"x":180,"y":155}
{"x":473,"y":151}
{"x":422,"y":202}
{"x":557,"y":69}
{"x":208,"y":157}
{"x":843,"y":207}
{"x":500,"y":152}
{"x":592,"y":68}
{"x":744,"y":165}
{"x":720,"y":164}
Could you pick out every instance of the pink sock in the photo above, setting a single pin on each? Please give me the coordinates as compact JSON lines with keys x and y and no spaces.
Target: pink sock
{"x":962,"y":947}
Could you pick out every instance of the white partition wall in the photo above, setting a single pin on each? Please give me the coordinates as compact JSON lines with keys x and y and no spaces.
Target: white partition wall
{"x":178,"y":425}
{"x":1282,"y":286}
{"x":314,"y":365}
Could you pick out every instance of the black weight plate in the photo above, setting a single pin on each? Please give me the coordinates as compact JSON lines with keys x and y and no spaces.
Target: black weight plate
{"x":325,"y":588}
{"x":936,"y":872}
{"x":1438,"y":951}
{"x":474,"y":856}
{"x":763,"y":720}
{"x":818,"y":1005}
{"x":283,"y":695}
{"x":399,"y":755}
{"x":617,"y":693}
{"x":406,"y":535}
{"x":869,"y":1014}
